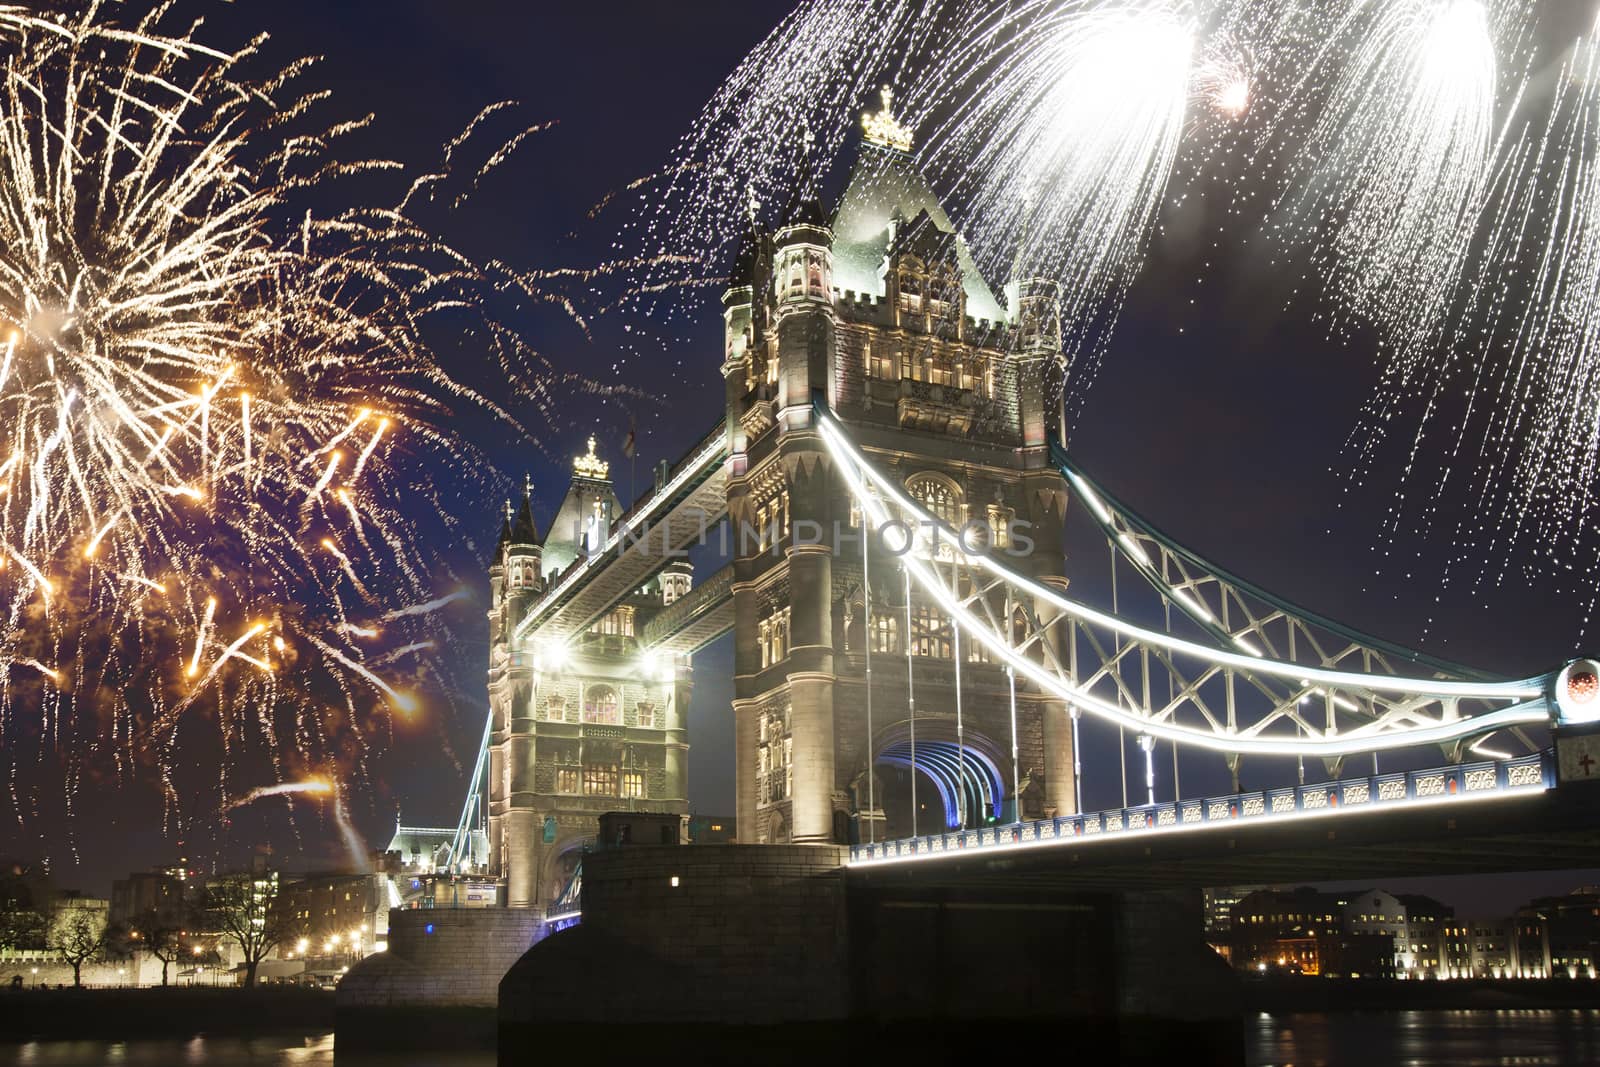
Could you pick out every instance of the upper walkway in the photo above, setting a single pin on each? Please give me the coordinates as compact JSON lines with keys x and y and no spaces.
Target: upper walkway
{"x":659,"y":528}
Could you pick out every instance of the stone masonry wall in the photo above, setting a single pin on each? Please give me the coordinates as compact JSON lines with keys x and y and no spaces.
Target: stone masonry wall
{"x":441,"y":957}
{"x":727,"y":933}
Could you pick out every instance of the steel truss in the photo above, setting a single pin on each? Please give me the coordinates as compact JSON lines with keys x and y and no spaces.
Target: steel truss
{"x":1260,"y":678}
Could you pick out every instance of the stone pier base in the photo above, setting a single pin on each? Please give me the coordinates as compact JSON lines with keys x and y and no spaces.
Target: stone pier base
{"x":438,"y":983}
{"x":775,"y":954}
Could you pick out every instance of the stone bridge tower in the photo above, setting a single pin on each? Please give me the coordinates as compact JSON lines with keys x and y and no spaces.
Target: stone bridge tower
{"x":583,"y":727}
{"x":881,"y":309}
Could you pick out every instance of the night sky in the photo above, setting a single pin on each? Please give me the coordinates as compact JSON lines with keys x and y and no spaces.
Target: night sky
{"x":1221,"y":411}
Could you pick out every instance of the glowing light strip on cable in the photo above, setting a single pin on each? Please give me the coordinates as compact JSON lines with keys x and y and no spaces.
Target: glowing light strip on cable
{"x":1526,"y":688}
{"x":854,"y":467}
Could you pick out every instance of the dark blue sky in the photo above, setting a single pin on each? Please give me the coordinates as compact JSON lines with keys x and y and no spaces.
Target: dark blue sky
{"x":1219,"y":414}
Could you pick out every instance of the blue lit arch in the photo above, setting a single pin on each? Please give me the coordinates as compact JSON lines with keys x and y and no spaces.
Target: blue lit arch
{"x":954,"y":770}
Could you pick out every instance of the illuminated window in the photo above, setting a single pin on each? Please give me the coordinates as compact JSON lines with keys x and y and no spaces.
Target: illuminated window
{"x":772,"y":520}
{"x":616,"y":623}
{"x":910,"y":292}
{"x":1000,"y":525}
{"x":647,"y":713}
{"x":600,"y":705}
{"x":938,"y":496}
{"x":930,"y":633}
{"x":774,"y":754}
{"x":566,"y":779}
{"x":885,"y":633}
{"x":633,"y":785}
{"x":600,"y":780}
{"x":774,"y":637}
{"x":880,"y":362}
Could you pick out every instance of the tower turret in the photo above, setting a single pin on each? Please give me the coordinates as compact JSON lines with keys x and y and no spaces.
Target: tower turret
{"x":1040,"y":363}
{"x":524,"y":579}
{"x":497,"y":581}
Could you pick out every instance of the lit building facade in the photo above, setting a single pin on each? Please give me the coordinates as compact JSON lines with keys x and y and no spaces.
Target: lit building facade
{"x":880,"y":309}
{"x":578,"y":728}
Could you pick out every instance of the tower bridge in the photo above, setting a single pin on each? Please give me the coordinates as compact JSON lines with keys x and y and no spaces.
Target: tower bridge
{"x":934,"y":677}
{"x":914,"y":676}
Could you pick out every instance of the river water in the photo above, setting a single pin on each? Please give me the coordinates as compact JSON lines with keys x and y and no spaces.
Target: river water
{"x":1540,"y":1038}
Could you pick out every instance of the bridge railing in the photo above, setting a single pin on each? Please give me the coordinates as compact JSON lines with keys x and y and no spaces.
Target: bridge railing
{"x":700,"y":599}
{"x":1459,"y":782}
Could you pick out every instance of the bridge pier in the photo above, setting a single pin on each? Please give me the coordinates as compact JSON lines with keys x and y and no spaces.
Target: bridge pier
{"x":775,"y":952}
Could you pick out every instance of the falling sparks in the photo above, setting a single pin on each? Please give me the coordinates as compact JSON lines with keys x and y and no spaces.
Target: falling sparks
{"x":1408,"y":157}
{"x":1069,"y":142}
{"x":1402,"y":153}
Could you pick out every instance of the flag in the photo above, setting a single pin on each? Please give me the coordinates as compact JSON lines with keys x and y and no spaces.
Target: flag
{"x":629,"y":443}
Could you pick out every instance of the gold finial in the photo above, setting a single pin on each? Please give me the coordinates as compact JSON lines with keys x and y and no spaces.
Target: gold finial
{"x":883,"y":128}
{"x":591,"y":466}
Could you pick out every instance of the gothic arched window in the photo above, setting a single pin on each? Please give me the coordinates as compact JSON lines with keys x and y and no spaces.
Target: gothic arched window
{"x":938,"y":495}
{"x":600,"y":705}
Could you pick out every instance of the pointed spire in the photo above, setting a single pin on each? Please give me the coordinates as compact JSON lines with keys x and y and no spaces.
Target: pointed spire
{"x":505,"y":531}
{"x":805,"y":209}
{"x":744,"y":260}
{"x":526,"y":531}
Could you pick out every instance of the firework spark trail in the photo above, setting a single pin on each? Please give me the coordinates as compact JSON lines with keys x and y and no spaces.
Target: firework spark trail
{"x":1384,"y":135}
{"x":310,"y":787}
{"x":1403,"y":151}
{"x":788,"y":106}
{"x":427,"y":608}
{"x":1065,"y":147}
{"x":1538,"y":458}
{"x":188,"y":346}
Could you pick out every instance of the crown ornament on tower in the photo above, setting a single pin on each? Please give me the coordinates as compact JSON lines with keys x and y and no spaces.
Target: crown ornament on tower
{"x":591,"y":465}
{"x":884,"y":129}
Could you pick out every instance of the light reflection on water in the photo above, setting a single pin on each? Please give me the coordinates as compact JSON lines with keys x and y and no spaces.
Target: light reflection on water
{"x":1522,"y":1038}
{"x":271,"y":1051}
{"x":1519,"y":1038}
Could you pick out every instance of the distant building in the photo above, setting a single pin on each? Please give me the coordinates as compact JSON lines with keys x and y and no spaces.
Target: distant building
{"x":1480,"y":948}
{"x":339,"y":915}
{"x":1419,"y":948}
{"x":426,"y":849}
{"x":584,"y":726}
{"x":1309,"y":932}
{"x":1274,"y":929}
{"x":1559,"y":937}
{"x":141,"y":892}
{"x":712,"y":830}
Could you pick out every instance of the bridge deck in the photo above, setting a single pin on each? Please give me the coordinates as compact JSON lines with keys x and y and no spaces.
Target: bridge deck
{"x":658,"y":529}
{"x":1471,"y":818}
{"x":695,"y":620}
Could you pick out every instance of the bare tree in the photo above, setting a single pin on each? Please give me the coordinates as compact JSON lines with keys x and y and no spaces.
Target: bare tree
{"x":24,"y":918}
{"x":249,"y":910}
{"x":160,"y":932}
{"x":22,"y":928}
{"x":78,"y":935}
